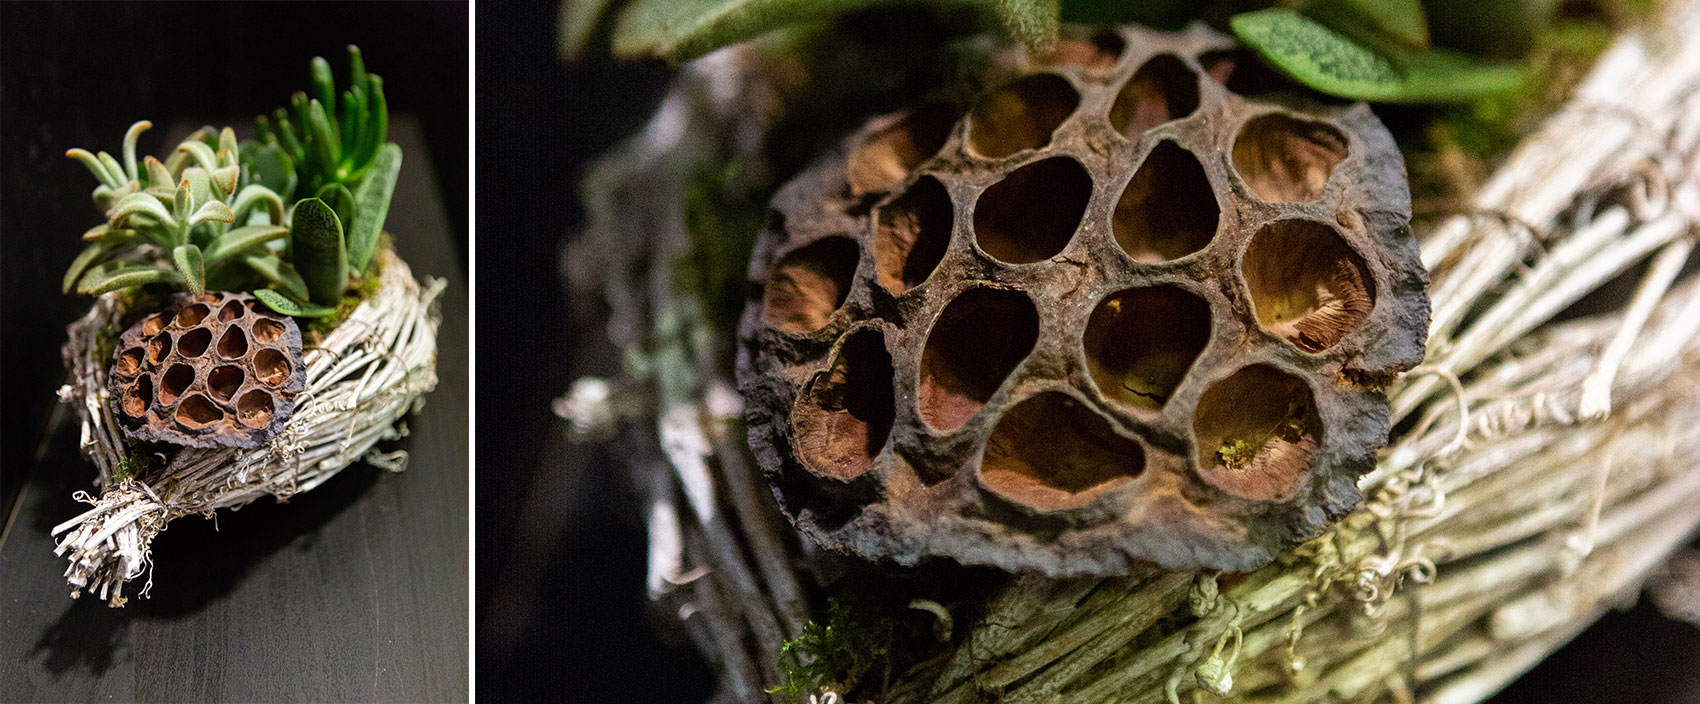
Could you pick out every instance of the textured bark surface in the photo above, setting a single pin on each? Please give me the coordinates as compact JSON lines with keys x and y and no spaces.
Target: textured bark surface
{"x":217,"y":370}
{"x":1116,"y":313}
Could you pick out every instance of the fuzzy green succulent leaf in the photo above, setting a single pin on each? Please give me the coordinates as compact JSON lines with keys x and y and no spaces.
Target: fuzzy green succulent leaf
{"x":211,"y":211}
{"x":84,"y":260}
{"x":130,"y":137}
{"x":200,"y":184}
{"x":141,"y":204}
{"x":113,"y":167}
{"x":295,"y":309}
{"x":255,"y":195}
{"x":224,"y":178}
{"x":112,"y":276}
{"x":204,"y":155}
{"x":227,"y":141}
{"x":372,"y":205}
{"x":242,"y":241}
{"x":191,"y":265}
{"x":102,"y":197}
{"x":182,"y":202}
{"x":271,"y":166}
{"x":319,"y":253}
{"x":158,"y":175}
{"x":278,"y":273}
{"x":106,"y":178}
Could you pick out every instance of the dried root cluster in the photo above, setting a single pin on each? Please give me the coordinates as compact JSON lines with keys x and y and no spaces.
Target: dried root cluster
{"x":1116,"y":314}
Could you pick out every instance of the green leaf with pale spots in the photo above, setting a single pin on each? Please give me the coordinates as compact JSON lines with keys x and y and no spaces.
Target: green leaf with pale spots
{"x":1329,"y":62}
{"x":294,"y":309}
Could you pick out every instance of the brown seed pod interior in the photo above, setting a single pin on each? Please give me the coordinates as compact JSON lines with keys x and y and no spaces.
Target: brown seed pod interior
{"x":207,"y":371}
{"x":1137,"y":306}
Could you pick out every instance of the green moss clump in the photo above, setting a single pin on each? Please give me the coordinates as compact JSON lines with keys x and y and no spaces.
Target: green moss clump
{"x":368,"y":286}
{"x":832,"y":653}
{"x":136,"y":461}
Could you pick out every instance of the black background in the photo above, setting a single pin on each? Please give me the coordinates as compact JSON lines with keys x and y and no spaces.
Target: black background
{"x":77,"y":74}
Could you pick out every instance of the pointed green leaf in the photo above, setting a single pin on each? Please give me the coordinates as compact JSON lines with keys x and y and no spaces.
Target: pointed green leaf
{"x":327,"y":147}
{"x":212,"y":211}
{"x":116,"y":275}
{"x":1331,"y":63}
{"x":182,"y":202}
{"x":341,"y":201}
{"x":130,"y":136}
{"x":1400,"y":23}
{"x":270,"y":166}
{"x":200,"y":185}
{"x":372,"y":205}
{"x":287,"y":134}
{"x":279,"y":273}
{"x":113,"y":167}
{"x":681,"y":30}
{"x":227,"y":140}
{"x":378,"y":121}
{"x":203,"y":154}
{"x":319,"y":253}
{"x":86,"y":259}
{"x":157,"y":173}
{"x":242,"y":241}
{"x":258,"y":195}
{"x":324,"y":82}
{"x":282,"y":304}
{"x":356,"y":66}
{"x":107,"y":178}
{"x":141,"y":204}
{"x":224,"y":178}
{"x":192,"y":267}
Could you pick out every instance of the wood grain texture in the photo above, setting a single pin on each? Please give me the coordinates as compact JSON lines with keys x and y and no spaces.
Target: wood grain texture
{"x":355,"y":591}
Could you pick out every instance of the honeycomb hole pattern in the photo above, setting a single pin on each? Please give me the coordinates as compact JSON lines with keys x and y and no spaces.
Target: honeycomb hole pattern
{"x":231,"y":310}
{"x":255,"y":409}
{"x":976,"y":342}
{"x":194,"y":342}
{"x":233,"y":344}
{"x":842,"y":421}
{"x":192,"y":315}
{"x":271,"y":367}
{"x":268,"y":331}
{"x":1049,"y":453}
{"x":887,"y":156}
{"x":1307,"y":285}
{"x":1284,"y":159}
{"x":129,"y":362}
{"x":1168,"y":209}
{"x":155,"y":323}
{"x":159,"y":347}
{"x":1021,"y":115}
{"x":808,"y":285}
{"x":1093,"y":50}
{"x":1258,"y":433}
{"x":197,"y":411}
{"x":912,"y":234}
{"x":1242,"y":73}
{"x":1163,"y":89}
{"x":222,"y":382}
{"x":176,"y":379}
{"x":1032,"y":213}
{"x":1140,"y":343}
{"x":138,"y":398}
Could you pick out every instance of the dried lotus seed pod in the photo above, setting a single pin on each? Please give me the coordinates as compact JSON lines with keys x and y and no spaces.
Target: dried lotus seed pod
{"x":1114,"y":312}
{"x":215,"y":370}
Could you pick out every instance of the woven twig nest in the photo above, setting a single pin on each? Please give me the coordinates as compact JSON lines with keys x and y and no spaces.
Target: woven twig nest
{"x":1118,"y":313}
{"x":355,"y":386}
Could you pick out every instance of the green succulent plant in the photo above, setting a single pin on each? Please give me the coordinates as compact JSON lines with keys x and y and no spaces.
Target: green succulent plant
{"x":213,"y":215}
{"x":176,"y":221}
{"x":343,"y":170}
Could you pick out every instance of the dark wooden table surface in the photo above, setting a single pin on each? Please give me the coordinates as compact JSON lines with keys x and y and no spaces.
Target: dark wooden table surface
{"x":355,"y":591}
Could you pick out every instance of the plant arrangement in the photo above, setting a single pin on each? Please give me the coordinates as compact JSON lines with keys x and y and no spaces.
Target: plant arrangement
{"x":253,"y":332}
{"x":1032,"y":439}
